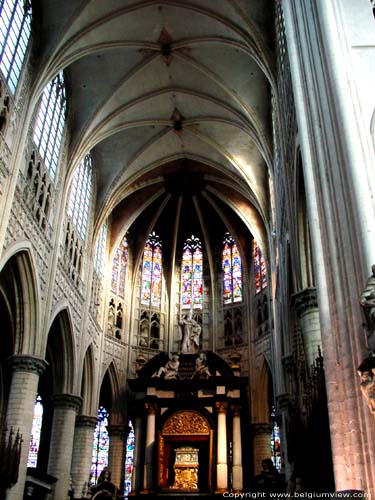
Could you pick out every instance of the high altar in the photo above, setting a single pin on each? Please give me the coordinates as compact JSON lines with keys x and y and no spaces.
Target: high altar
{"x":188,"y":426}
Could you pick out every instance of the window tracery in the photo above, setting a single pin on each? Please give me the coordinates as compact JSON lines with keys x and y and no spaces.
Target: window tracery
{"x":100,"y":449}
{"x":192,"y":274}
{"x":15,"y":29}
{"x":232,"y":271}
{"x":129,"y":460}
{"x":260,"y":270}
{"x":36,"y":430}
{"x":152,"y":272}
{"x":49,"y":124}
{"x":80,"y":195}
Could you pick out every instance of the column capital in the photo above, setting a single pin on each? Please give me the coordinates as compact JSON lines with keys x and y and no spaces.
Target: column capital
{"x":261,"y":428}
{"x":236,"y":409}
{"x":86,"y":421}
{"x":150,"y":407}
{"x":26,"y":363}
{"x":67,"y":401}
{"x":221,"y":406}
{"x":305,"y":300}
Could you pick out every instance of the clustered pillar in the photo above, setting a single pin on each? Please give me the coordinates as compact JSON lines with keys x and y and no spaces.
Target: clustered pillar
{"x":116,"y":459}
{"x":66,"y":407}
{"x":23,"y":389}
{"x":82,"y":454}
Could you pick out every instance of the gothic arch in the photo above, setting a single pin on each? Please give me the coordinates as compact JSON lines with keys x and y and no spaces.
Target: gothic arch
{"x":18,"y":272}
{"x":262,"y":393}
{"x":109,"y":395}
{"x":88,"y":383}
{"x":60,"y":353}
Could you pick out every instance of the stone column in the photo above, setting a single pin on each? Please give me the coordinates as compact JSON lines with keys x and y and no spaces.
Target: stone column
{"x":66,"y":407}
{"x":116,"y":458}
{"x":221,"y":464}
{"x":82,"y":453}
{"x":149,"y":448}
{"x":261,"y":444}
{"x":306,"y":305}
{"x":237,"y":450}
{"x":136,"y":476}
{"x":23,"y":389}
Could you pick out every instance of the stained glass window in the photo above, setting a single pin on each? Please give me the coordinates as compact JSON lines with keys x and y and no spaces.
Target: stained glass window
{"x":192,"y":274}
{"x":119,"y":263}
{"x":49,"y":125}
{"x":35,"y":433}
{"x":129,"y":460}
{"x":275,"y":441}
{"x":232,"y":271}
{"x":99,"y":260}
{"x":80,"y":196}
{"x":15,"y":27}
{"x":260,"y":270}
{"x":100,"y":446}
{"x":152,"y":272}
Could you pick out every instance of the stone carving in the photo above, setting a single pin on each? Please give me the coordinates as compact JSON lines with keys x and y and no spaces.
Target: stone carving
{"x":186,"y":422}
{"x":366,"y":371}
{"x":189,"y":333}
{"x":170,"y":370}
{"x":201,"y":368}
{"x":367,"y":301}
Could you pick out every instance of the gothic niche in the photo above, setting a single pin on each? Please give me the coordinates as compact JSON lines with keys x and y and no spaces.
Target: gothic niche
{"x":149,"y":330}
{"x":233,"y":327}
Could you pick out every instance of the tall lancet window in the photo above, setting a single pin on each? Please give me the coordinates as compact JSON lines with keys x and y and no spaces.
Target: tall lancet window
{"x":152,"y":272}
{"x":192,"y":274}
{"x":49,"y":125}
{"x":15,"y":28}
{"x":260,"y":270}
{"x":80,"y":196}
{"x":119,"y":264}
{"x":36,"y":430}
{"x":100,"y":448}
{"x":232,"y":271}
{"x":99,"y":258}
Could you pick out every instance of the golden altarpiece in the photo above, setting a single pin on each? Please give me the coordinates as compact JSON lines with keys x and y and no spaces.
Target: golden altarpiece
{"x":189,"y":425}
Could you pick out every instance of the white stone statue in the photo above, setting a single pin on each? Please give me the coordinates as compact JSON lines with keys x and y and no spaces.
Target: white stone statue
{"x":170,"y":370}
{"x":189,"y":333}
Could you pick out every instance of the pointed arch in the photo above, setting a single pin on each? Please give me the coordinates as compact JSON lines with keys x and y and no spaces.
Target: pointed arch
{"x":60,"y":352}
{"x":264,"y":392}
{"x":110,"y":392}
{"x":19,"y":271}
{"x":88,"y":383}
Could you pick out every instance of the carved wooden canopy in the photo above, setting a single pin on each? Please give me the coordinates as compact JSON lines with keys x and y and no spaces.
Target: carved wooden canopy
{"x":186,"y":422}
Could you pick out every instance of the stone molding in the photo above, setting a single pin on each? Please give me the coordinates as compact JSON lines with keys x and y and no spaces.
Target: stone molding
{"x":86,"y":421}
{"x":261,"y":428}
{"x":67,"y":401}
{"x":283,"y":401}
{"x":305,"y":301}
{"x":26,"y":363}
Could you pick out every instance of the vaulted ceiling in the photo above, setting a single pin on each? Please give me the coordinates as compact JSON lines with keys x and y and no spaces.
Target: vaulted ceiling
{"x":173,"y":100}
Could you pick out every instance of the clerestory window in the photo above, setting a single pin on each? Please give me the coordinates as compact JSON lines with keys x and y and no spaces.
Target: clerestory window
{"x":80,"y":196}
{"x":49,"y":125}
{"x":15,"y":29}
